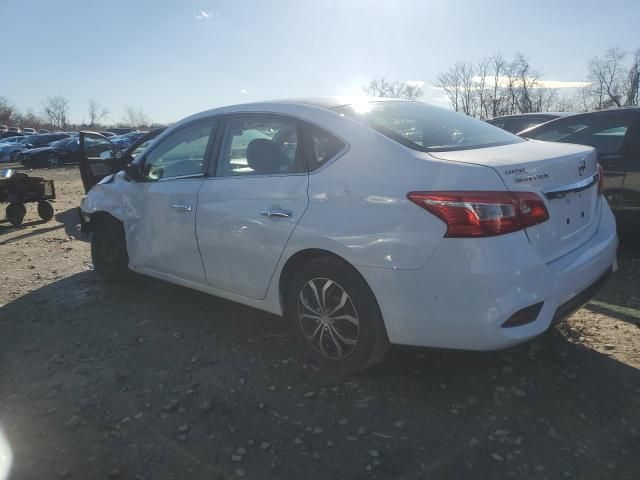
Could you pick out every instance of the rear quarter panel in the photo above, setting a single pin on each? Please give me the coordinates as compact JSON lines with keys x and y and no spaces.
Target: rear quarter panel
{"x":358,"y":205}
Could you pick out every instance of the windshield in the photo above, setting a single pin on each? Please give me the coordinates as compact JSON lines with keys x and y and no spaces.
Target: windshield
{"x":427,"y":128}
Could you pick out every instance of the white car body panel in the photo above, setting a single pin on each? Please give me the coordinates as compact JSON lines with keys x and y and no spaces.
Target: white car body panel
{"x":432,"y":291}
{"x":240,"y":246}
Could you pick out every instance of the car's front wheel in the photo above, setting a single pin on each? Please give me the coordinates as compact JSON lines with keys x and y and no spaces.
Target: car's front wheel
{"x":336,"y":316}
{"x":109,"y":249}
{"x":53,"y":160}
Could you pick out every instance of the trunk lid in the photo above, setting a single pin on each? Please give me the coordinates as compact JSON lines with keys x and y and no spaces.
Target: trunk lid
{"x":563,"y":175}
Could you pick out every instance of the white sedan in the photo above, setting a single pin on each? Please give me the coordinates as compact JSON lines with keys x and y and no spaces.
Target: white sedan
{"x":366,"y":223}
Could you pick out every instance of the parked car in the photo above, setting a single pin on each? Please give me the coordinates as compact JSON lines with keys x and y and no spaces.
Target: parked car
{"x":462,"y":236}
{"x":53,"y":155}
{"x":121,"y":130}
{"x":124,"y":141}
{"x":8,"y":134}
{"x":3,"y":128}
{"x":523,"y":121}
{"x":11,"y":147}
{"x":615,"y":134}
{"x":13,"y":130}
{"x":43,"y":130}
{"x":29,"y":131}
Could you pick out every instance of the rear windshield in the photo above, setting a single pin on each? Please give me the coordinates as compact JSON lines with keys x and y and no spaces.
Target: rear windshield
{"x":427,"y":128}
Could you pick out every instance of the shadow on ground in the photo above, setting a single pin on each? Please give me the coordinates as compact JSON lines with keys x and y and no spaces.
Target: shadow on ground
{"x":146,"y":380}
{"x":67,"y":219}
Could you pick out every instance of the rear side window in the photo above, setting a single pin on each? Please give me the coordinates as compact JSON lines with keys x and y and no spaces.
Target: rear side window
{"x":324,"y":147}
{"x":423,"y":127}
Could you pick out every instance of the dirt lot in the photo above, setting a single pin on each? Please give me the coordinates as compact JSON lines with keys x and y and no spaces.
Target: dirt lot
{"x":149,"y":380}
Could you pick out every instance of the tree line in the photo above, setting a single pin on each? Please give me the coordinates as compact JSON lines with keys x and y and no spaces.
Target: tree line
{"x":496,"y":86}
{"x":54,"y":115}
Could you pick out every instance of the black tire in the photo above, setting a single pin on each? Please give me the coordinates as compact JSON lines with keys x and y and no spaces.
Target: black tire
{"x":53,"y":160}
{"x":371,"y":340}
{"x":109,"y":249}
{"x":15,"y":213}
{"x":45,"y":210}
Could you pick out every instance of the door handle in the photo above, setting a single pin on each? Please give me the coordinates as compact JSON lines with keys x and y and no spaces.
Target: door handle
{"x":276,"y":212}
{"x":182,"y":208}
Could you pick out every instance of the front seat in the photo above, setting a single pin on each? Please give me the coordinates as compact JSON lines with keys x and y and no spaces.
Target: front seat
{"x":265,"y":157}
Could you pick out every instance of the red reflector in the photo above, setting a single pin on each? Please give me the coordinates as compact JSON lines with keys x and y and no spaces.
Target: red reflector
{"x":483,"y":214}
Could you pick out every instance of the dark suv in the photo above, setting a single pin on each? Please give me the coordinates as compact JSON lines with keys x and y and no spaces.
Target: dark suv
{"x":615,"y":134}
{"x":524,"y":121}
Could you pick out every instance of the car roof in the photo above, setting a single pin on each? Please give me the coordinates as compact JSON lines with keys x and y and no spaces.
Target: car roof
{"x":325,"y":103}
{"x":535,"y":114}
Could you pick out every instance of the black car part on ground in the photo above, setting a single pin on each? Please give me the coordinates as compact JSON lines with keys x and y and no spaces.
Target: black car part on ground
{"x":17,"y":189}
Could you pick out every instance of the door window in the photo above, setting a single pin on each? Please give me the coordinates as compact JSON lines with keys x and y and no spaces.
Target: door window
{"x":181,"y":154}
{"x":260,"y":145}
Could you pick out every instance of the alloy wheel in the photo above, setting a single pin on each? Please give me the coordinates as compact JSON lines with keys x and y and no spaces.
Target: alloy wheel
{"x":53,"y":160}
{"x":328,"y":318}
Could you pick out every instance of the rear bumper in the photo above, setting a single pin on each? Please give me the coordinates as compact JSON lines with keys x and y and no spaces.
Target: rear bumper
{"x":470,"y":287}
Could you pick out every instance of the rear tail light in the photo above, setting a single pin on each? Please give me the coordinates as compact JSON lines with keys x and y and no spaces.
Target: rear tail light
{"x":600,"y":179}
{"x":483,"y":214}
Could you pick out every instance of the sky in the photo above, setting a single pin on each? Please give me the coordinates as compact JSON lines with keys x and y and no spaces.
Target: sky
{"x":175,"y":58}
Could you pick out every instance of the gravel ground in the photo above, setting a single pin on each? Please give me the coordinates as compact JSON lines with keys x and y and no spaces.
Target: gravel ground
{"x":147,"y":380}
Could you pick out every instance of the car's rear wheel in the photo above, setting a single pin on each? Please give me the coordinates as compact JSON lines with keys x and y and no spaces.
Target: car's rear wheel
{"x":53,"y":160}
{"x":109,"y":249}
{"x":335,"y":316}
{"x":45,"y":210}
{"x":15,"y":213}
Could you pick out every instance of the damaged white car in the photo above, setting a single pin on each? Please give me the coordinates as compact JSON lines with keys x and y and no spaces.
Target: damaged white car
{"x":366,"y":223}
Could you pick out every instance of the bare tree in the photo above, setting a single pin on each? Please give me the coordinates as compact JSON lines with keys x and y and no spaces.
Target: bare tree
{"x":449,"y":82}
{"x":526,"y":81}
{"x":135,"y":117}
{"x":381,"y":87}
{"x":484,"y":93}
{"x":57,"y":111}
{"x":30,"y":119}
{"x":607,"y":77}
{"x":7,"y":111}
{"x":459,"y":86}
{"x":633,"y":81}
{"x":96,"y":112}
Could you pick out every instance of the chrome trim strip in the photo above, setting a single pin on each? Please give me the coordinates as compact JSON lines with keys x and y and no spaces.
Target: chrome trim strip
{"x":559,"y":192}
{"x":181,"y":177}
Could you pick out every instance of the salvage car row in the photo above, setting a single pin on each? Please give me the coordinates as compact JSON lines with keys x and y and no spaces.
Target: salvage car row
{"x":52,"y":149}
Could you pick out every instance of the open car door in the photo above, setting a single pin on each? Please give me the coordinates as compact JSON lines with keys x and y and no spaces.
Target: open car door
{"x":98,"y":159}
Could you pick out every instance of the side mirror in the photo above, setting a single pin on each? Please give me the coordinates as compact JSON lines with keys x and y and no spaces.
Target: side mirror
{"x":133,"y":171}
{"x":28,"y":145}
